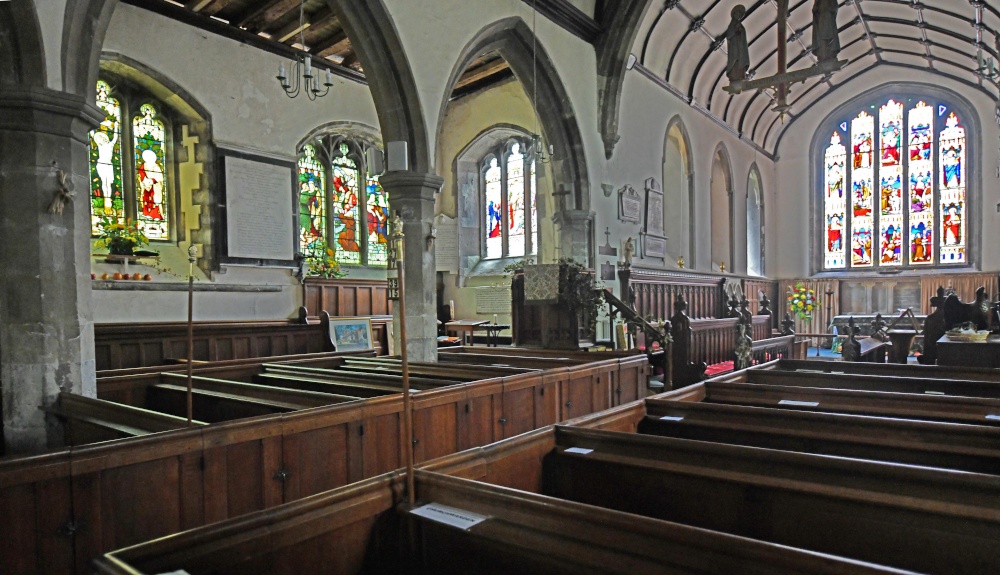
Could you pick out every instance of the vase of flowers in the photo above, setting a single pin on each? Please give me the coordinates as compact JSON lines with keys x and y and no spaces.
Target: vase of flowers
{"x":802,"y":301}
{"x":119,"y":238}
{"x":325,"y":266}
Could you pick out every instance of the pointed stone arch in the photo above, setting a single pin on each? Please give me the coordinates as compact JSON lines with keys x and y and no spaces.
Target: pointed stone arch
{"x":22,"y":58}
{"x":513,"y":40}
{"x":390,"y":78}
{"x":678,"y":187}
{"x":755,"y":222}
{"x":84,"y":26}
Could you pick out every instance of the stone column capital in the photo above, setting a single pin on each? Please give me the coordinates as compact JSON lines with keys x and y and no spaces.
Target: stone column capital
{"x":41,"y":110}
{"x":407,"y":185}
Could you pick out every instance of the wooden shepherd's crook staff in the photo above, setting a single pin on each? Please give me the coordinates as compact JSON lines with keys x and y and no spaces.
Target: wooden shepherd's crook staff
{"x":190,"y":334}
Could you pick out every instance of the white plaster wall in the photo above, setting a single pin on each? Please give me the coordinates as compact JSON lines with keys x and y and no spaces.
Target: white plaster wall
{"x":795,"y":236}
{"x":235,"y":84}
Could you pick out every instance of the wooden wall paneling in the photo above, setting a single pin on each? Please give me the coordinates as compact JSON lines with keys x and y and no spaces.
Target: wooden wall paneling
{"x":520,"y":405}
{"x":242,"y":459}
{"x":315,"y":459}
{"x":577,"y":393}
{"x":381,"y":446}
{"x":35,"y":497}
{"x":965,"y":286}
{"x":631,"y":378}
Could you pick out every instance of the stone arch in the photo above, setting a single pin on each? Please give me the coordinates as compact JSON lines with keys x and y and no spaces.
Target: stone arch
{"x":514,"y":41}
{"x":397,"y":102}
{"x":721,"y":201}
{"x":678,"y":188}
{"x":22,"y":57}
{"x":755,"y":222}
{"x":84,"y":26}
{"x":193,"y":157}
{"x":354,"y":130}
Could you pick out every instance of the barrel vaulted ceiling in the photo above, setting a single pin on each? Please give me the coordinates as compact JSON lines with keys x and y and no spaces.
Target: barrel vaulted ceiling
{"x":683,"y":43}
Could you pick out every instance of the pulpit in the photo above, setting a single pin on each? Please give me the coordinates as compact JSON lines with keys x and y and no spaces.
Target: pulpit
{"x":553,"y":306}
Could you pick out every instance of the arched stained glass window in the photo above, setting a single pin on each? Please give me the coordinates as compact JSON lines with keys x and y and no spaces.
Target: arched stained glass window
{"x":149,"y":135}
{"x":312,"y":204}
{"x":128,"y":185}
{"x":378,"y":222}
{"x":344,"y":200}
{"x":510,"y":202}
{"x":917,"y":217}
{"x":342,"y":205}
{"x":107,"y":198}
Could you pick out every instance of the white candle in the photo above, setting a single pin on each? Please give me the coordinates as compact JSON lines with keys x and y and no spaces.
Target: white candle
{"x":494,"y":319}
{"x":281,"y":71}
{"x":329,"y":77}
{"x":309,"y":64}
{"x":451,"y":309}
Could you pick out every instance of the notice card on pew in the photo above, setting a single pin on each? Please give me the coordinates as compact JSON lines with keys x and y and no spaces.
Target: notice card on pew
{"x":672,"y":418}
{"x":579,"y":450}
{"x":449,"y":515}
{"x":993,"y":416}
{"x":798,"y":403}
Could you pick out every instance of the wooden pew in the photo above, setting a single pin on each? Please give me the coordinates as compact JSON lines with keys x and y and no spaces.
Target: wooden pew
{"x":357,"y":529}
{"x":977,"y":411}
{"x":897,"y":384}
{"x":926,"y":520}
{"x":340,"y":374}
{"x":305,"y":399}
{"x":213,"y":406}
{"x":90,"y":420}
{"x":324,"y":385}
{"x":971,"y":448}
{"x":901,"y":370}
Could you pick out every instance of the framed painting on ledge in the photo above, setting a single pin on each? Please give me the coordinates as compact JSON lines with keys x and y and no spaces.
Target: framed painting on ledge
{"x":351,"y":333}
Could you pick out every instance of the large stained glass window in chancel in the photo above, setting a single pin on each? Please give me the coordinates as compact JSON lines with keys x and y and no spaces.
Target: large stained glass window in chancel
{"x":344,"y":208}
{"x":515,"y":202}
{"x":312,"y":204}
{"x":106,"y":196}
{"x":494,"y":210}
{"x":952,"y":191}
{"x":890,"y":184}
{"x":149,"y":135}
{"x":862,"y":181}
{"x":835,"y":203}
{"x":921,"y":191}
{"x":378,"y":222}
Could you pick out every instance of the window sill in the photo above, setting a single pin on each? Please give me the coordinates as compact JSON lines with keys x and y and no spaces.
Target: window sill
{"x":140,"y":285}
{"x":495,"y":267}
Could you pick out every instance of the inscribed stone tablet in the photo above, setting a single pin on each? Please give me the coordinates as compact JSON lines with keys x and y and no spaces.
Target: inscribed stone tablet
{"x":259,"y":209}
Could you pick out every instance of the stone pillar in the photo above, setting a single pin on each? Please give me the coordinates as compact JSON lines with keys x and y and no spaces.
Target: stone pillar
{"x":412,"y":195}
{"x":46,"y":326}
{"x":575,"y":237}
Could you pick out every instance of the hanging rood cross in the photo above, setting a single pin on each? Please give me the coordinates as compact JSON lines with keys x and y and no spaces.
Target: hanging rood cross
{"x":826,"y":46}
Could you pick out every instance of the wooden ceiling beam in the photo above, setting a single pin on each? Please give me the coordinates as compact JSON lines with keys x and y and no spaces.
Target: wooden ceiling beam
{"x":289,"y":31}
{"x":267,"y":11}
{"x":337,"y":43}
{"x":480,"y":72}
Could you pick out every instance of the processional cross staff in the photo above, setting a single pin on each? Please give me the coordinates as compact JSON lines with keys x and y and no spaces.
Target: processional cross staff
{"x":826,"y":45}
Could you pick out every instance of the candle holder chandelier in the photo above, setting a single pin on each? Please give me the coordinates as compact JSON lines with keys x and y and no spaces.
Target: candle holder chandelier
{"x":303,"y":74}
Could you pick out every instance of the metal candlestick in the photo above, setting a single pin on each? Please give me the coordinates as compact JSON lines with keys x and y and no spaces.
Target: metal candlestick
{"x":190,"y":334}
{"x":829,"y":316}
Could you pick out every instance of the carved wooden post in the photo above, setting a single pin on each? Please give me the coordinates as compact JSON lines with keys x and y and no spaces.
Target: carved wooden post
{"x":787,"y":324}
{"x":878,"y":328}
{"x":934,"y":328}
{"x":765,"y":305}
{"x":744,"y":343}
{"x":852,"y":347}
{"x":683,"y":372}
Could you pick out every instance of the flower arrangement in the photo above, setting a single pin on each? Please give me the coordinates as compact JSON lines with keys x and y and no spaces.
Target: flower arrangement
{"x":325,"y":266}
{"x":120,"y":238}
{"x":802,"y":300}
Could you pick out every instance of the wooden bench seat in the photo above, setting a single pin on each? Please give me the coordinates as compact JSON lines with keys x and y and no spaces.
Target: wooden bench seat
{"x":443,"y":368}
{"x":934,"y":444}
{"x":897,"y":384}
{"x":266,"y":392}
{"x":508,"y":360}
{"x":978,"y":411}
{"x":324,"y":385}
{"x":927,"y":520}
{"x":901,"y":370}
{"x":90,"y":420}
{"x":342,"y":374}
{"x":212,"y":406}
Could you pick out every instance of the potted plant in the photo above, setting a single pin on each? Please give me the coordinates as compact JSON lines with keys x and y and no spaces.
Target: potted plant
{"x":325,"y":266}
{"x":120,"y":239}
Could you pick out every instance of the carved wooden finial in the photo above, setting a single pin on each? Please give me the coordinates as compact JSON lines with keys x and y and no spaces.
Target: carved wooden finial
{"x":787,"y":324}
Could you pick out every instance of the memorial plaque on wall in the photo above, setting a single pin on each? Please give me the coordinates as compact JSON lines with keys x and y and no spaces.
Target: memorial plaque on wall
{"x":258,"y":216}
{"x":629,"y":205}
{"x":654,"y":246}
{"x":446,"y":244}
{"x":491,"y":299}
{"x":654,"y":208}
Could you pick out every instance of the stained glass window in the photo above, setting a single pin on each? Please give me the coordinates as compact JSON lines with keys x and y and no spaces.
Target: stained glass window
{"x":905,"y":210}
{"x":344,"y":204}
{"x":494,"y":210}
{"x":921,"y":168}
{"x":312,"y":204}
{"x":890,"y":184}
{"x":378,"y":218}
{"x":835,"y":202}
{"x":862,"y":179}
{"x":952,"y":182}
{"x":149,"y":135}
{"x":106,"y":196}
{"x":510,"y":202}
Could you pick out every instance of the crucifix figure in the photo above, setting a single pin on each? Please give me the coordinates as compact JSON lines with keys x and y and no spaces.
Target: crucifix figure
{"x":736,"y":46}
{"x":826,"y":40}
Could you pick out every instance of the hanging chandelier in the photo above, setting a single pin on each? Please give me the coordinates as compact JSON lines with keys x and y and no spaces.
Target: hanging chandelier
{"x":305,"y":78}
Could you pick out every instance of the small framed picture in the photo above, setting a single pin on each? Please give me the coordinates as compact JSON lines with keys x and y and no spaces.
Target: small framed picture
{"x":351,"y":333}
